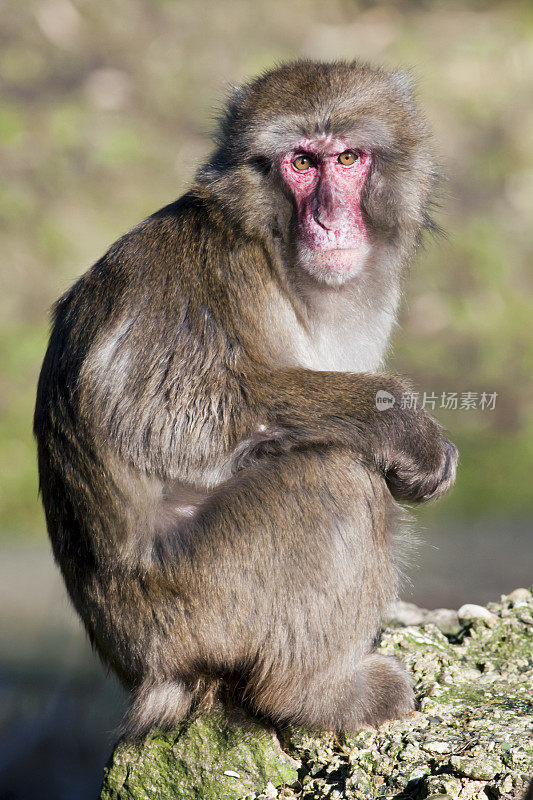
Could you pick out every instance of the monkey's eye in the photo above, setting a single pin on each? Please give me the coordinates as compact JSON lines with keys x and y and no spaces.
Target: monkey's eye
{"x":302,"y":163}
{"x":347,"y":158}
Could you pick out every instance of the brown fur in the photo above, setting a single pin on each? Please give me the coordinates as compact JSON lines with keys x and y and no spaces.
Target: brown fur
{"x":220,"y":507}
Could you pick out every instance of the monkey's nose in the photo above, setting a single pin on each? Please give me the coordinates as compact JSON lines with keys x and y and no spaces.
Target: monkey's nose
{"x":318,"y":218}
{"x":327,"y":205}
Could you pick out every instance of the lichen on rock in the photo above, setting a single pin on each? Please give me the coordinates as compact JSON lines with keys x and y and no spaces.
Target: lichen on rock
{"x":471,"y":739}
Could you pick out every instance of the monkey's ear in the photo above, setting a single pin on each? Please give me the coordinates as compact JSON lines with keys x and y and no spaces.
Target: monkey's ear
{"x":236,"y":94}
{"x":404,"y":81}
{"x":236,"y":97}
{"x":230,"y":113}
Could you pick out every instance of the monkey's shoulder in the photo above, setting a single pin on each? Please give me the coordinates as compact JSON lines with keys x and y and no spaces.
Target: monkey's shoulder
{"x":195,"y":226}
{"x":183,"y":259}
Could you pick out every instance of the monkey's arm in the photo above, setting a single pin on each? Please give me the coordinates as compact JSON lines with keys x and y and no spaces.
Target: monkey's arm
{"x":406,"y":445}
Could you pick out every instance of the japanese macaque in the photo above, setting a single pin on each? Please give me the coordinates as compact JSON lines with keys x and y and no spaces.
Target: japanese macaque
{"x":220,"y":482}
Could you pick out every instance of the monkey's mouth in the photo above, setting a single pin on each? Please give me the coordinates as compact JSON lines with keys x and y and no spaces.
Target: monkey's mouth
{"x":328,"y":250}
{"x":336,"y":258}
{"x":334,"y":265}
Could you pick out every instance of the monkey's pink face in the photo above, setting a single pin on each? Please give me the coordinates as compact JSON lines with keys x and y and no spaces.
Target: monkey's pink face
{"x":326,"y":177}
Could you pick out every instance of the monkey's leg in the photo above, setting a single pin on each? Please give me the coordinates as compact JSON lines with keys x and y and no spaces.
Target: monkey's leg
{"x":333,"y":679}
{"x":157,"y":703}
{"x":376,"y":689}
{"x":289,"y":570}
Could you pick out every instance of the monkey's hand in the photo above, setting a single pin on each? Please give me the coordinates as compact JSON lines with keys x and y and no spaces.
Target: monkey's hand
{"x":418,"y":462}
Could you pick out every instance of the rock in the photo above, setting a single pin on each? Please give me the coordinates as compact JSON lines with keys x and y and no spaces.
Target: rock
{"x":470,"y":612}
{"x":519,"y":596}
{"x":471,"y":738}
{"x":403,"y":613}
{"x":214,"y":757}
{"x":482,"y":767}
{"x":436,"y":747}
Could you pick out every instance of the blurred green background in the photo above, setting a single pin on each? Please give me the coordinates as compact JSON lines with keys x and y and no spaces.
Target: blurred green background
{"x":106,"y":111}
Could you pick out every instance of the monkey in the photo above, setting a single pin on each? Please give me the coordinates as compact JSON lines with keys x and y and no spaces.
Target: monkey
{"x":222,"y":489}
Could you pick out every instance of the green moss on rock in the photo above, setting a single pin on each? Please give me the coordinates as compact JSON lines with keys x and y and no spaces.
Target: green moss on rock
{"x":215,"y":757}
